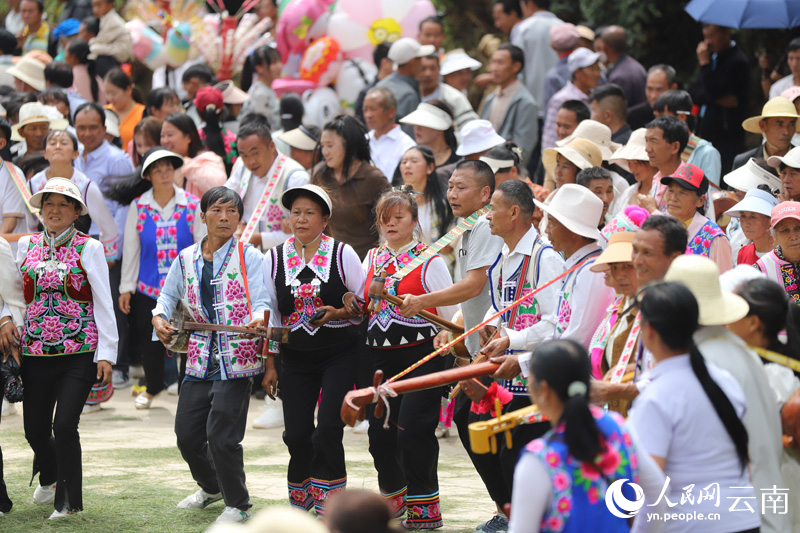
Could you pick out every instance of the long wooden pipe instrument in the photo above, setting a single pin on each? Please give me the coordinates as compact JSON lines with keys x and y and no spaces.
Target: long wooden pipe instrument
{"x":355,"y":402}
{"x":377,"y":291}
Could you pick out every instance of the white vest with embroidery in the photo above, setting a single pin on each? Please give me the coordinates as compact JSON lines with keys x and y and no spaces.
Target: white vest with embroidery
{"x":271,"y":219}
{"x":239,"y":358}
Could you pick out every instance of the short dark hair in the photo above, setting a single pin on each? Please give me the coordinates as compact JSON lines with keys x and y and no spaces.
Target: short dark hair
{"x":223,"y":195}
{"x":581,"y":110}
{"x":59,"y":73}
{"x":482,"y":171}
{"x":611,"y":96}
{"x":92,"y":106}
{"x":517,"y":55}
{"x":201,"y":72}
{"x":672,"y":129}
{"x":92,"y":24}
{"x":435,"y":19}
{"x":674,"y":233}
{"x":678,"y":102}
{"x":8,"y":42}
{"x":794,"y":45}
{"x":158,"y":97}
{"x":261,"y":129}
{"x":53,"y":94}
{"x":516,"y":192}
{"x":381,"y":52}
{"x":507,"y":151}
{"x":510,"y":6}
{"x":666,"y":69}
{"x":5,"y":129}
{"x":586,"y":176}
{"x":39,"y":4}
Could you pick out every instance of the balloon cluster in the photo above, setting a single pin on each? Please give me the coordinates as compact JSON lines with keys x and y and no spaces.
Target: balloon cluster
{"x":324,"y":42}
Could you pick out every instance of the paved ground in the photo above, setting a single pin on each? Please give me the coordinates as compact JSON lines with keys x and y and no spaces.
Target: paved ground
{"x":129,"y":452}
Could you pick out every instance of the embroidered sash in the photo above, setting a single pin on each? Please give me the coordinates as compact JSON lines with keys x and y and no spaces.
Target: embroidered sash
{"x":694,"y":140}
{"x":627,"y":351}
{"x":22,"y":187}
{"x":446,"y":239}
{"x":267,"y":198}
{"x":777,"y":358}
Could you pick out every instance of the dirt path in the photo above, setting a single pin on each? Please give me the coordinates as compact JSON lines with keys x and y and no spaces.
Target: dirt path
{"x":130,"y":443}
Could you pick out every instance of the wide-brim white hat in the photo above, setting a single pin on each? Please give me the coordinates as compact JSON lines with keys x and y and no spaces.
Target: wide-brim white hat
{"x":598,"y":133}
{"x":791,"y":159}
{"x":299,"y":138}
{"x":62,"y":186}
{"x":112,"y":122}
{"x":577,"y":208}
{"x":429,"y":116}
{"x":456,"y":60}
{"x":701,"y":275}
{"x":750,"y":176}
{"x":231,"y":94}
{"x":755,"y":201}
{"x":34,"y":112}
{"x":478,"y":136}
{"x":634,"y":150}
{"x":290,"y":194}
{"x":157,"y":155}
{"x":31,"y":71}
{"x":582,"y":153}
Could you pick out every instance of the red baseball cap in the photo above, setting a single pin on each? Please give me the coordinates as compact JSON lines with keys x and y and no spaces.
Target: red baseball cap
{"x":208,"y":97}
{"x":689,"y":177}
{"x":785,"y":210}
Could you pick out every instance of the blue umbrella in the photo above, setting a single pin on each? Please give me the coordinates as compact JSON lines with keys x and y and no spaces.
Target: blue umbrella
{"x":752,"y":14}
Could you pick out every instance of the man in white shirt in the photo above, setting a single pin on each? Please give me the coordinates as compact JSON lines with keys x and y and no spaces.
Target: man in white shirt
{"x":387,"y":142}
{"x":264,"y":174}
{"x":525,"y":263}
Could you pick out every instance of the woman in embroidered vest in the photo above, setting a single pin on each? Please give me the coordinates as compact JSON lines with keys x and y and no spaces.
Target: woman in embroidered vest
{"x":685,"y":197}
{"x":163,"y":220}
{"x":405,"y":460}
{"x":60,"y":150}
{"x":617,"y":337}
{"x":202,"y":170}
{"x":354,"y":183}
{"x":69,"y":339}
{"x":696,"y":437}
{"x":561,"y":479}
{"x":754,"y":213}
{"x":770,"y":313}
{"x":311,"y":273}
{"x":782,"y":264}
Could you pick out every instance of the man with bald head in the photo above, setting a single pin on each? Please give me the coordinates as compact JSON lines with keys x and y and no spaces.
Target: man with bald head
{"x":623,"y":70}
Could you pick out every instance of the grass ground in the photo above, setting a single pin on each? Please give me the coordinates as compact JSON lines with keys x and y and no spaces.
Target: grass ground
{"x":134,"y":474}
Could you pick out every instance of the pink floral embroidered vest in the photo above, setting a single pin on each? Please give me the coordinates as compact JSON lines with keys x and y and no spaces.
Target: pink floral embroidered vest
{"x":59,"y":317}
{"x":239,"y":358}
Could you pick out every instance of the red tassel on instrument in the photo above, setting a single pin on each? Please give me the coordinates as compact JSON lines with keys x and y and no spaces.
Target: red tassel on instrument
{"x":487,"y":402}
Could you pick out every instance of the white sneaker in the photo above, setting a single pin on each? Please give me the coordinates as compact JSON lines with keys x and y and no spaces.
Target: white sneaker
{"x":44,"y":495}
{"x":271,"y":417}
{"x":362,"y":427}
{"x":93,"y":408}
{"x":199,"y":500}
{"x":60,"y":514}
{"x":232,"y":514}
{"x":136,"y":372}
{"x":172,"y":390}
{"x":120,"y":379}
{"x":8,"y":408}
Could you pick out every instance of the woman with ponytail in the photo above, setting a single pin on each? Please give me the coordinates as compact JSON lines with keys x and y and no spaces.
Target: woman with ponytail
{"x":697,"y":436}
{"x":86,"y":82}
{"x":216,"y":138}
{"x":561,"y":479}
